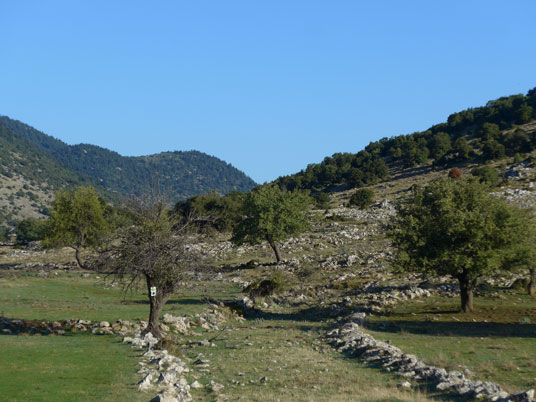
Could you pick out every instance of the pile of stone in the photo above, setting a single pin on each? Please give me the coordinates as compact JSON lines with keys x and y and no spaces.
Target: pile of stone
{"x":162,"y":372}
{"x":10,"y":326}
{"x":351,"y":339}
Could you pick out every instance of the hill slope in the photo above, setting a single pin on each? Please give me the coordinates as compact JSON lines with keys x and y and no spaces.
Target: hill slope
{"x":500,"y":128}
{"x":30,"y":156}
{"x":28,"y":178}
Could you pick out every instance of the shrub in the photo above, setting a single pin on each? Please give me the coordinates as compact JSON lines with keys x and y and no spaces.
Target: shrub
{"x":322,"y":200}
{"x":455,"y":173}
{"x":31,"y":229}
{"x":4,"y":235}
{"x":362,"y":198}
{"x":487,"y":174}
{"x":267,"y":287}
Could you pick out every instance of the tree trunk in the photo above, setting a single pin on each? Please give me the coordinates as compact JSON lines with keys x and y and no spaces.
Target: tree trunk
{"x":532,"y":284}
{"x":275,"y":247}
{"x":156,"y":304}
{"x":78,"y":259}
{"x":466,"y":293}
{"x":78,"y":248}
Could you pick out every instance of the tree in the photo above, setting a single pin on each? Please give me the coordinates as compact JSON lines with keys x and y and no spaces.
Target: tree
{"x":441,"y":145}
{"x":271,"y":215}
{"x":492,"y":149}
{"x":212,"y":211}
{"x":4,"y":234}
{"x":362,"y":198}
{"x":489,"y":131}
{"x":524,"y":114}
{"x":487,"y":174}
{"x":77,"y":221}
{"x":31,"y":229}
{"x":155,"y":249}
{"x":322,"y":200}
{"x":462,"y":148}
{"x":454,"y":227}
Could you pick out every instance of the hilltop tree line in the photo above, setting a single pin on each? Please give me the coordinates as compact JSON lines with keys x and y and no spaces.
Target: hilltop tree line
{"x":474,"y":134}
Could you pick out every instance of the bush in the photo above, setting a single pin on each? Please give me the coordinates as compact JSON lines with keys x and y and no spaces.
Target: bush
{"x":267,"y":287}
{"x":518,"y":158}
{"x":487,"y":174}
{"x":322,"y":200}
{"x":31,"y":229}
{"x":455,"y":173}
{"x":362,"y":198}
{"x":4,"y":235}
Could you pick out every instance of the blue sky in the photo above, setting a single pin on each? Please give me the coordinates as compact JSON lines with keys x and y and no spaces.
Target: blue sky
{"x":269,"y":86}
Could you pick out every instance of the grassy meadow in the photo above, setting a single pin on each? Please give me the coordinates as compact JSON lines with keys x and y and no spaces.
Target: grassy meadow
{"x":279,"y":355}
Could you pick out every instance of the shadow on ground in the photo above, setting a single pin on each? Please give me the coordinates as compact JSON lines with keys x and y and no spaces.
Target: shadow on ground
{"x":455,"y":328}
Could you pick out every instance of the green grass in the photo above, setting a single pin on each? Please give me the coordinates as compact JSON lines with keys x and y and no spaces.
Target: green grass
{"x":285,"y":345}
{"x":67,"y":368}
{"x":70,"y":296}
{"x":489,"y":341}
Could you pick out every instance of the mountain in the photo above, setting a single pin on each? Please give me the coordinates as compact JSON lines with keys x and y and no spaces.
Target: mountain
{"x":29,"y":178}
{"x":503,"y":127}
{"x":44,"y":164}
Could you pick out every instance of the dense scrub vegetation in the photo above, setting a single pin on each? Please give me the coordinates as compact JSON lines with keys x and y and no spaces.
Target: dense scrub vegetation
{"x":19,"y":156}
{"x":212,"y":211}
{"x":178,"y":174}
{"x":475,"y":134}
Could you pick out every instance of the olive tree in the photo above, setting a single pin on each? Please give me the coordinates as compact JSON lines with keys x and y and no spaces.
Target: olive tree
{"x":454,"y":227}
{"x":155,"y":249}
{"x":271,"y":215}
{"x":77,"y":220}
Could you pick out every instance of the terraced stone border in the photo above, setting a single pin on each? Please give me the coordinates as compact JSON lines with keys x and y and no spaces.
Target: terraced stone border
{"x":13,"y":326}
{"x":351,"y":339}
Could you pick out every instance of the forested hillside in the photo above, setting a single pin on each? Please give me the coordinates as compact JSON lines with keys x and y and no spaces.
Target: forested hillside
{"x":501,"y":128}
{"x":177,"y":174}
{"x":28,"y":178}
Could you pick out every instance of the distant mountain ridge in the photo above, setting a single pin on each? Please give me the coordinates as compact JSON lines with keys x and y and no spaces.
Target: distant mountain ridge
{"x":55,"y":164}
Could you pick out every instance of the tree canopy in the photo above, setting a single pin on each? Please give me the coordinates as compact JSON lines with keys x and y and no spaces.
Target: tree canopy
{"x":271,"y":215}
{"x":454,"y":227}
{"x":77,"y":220}
{"x":155,"y":249}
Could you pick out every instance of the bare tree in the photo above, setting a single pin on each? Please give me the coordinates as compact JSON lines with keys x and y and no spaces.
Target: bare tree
{"x":155,"y":248}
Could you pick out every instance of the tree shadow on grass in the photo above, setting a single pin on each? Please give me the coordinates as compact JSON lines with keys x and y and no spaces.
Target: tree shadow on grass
{"x":312,"y":314}
{"x":189,"y":301}
{"x":455,"y":328}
